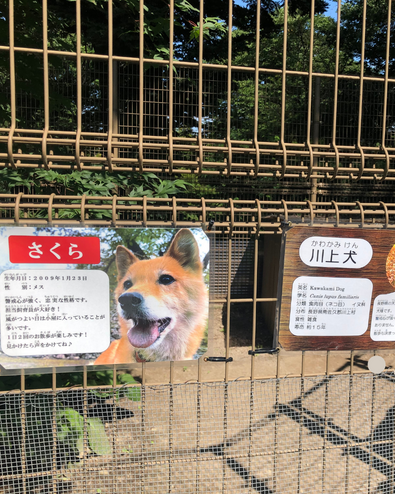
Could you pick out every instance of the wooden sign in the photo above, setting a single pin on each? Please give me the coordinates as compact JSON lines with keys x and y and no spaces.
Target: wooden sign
{"x":338,"y":289}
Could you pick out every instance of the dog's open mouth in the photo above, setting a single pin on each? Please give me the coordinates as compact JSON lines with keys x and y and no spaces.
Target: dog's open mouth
{"x":145,"y":332}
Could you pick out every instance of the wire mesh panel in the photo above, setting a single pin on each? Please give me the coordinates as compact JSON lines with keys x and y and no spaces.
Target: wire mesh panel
{"x":324,"y":434}
{"x":238,"y":422}
{"x":271,"y":113}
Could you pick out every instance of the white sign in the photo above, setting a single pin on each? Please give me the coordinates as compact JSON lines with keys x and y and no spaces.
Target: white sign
{"x":382,"y":327}
{"x":330,"y":306}
{"x":47,"y":312}
{"x":335,"y":252}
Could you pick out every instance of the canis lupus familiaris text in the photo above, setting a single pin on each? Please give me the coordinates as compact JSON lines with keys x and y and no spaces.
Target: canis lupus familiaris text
{"x":162,"y":304}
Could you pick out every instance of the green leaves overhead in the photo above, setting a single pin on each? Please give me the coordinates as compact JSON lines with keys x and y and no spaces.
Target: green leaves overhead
{"x":212,"y":26}
{"x":41,"y":181}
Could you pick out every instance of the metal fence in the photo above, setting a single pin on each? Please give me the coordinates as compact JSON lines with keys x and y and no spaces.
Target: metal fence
{"x":310,"y":143}
{"x":104,"y":103}
{"x":251,"y":421}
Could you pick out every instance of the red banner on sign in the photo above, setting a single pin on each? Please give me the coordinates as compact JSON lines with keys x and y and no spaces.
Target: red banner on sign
{"x":54,"y":250}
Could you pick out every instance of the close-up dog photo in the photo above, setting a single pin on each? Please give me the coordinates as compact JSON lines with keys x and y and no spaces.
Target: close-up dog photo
{"x":162,"y":304}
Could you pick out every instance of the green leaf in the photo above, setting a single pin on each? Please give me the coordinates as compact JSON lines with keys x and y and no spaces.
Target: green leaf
{"x":98,"y":441}
{"x":133,"y":393}
{"x":74,"y":419}
{"x":149,"y":175}
{"x":185,"y":6}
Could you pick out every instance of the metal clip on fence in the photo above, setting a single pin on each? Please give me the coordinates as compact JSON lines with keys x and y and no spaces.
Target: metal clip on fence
{"x":285,"y":225}
{"x":258,"y":351}
{"x":218,"y":359}
{"x":211,"y":224}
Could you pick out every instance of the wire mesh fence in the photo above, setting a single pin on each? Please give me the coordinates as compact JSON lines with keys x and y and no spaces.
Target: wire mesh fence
{"x":331,"y":433}
{"x":271,"y":115}
{"x":248,"y":422}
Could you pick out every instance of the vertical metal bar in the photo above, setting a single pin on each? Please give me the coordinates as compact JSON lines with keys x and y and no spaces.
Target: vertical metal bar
{"x":12,"y":84}
{"x":171,"y":422}
{"x":85,"y":421}
{"x":143,"y":430}
{"x":200,"y":87}
{"x":316,"y":132}
{"x":309,"y":100}
{"x":17,"y":208}
{"x":300,"y":441}
{"x":336,"y":90}
{"x":361,"y":82}
{"x":228,"y":306}
{"x":256,"y":89}
{"x":392,"y":485}
{"x":171,"y":86}
{"x":385,"y":103}
{"x":79,"y":86}
{"x":250,"y":428}
{"x":393,"y":449}
{"x":371,"y":446}
{"x":276,"y":408}
{"x":115,"y":108}
{"x":284,"y":89}
{"x":114,"y":427}
{"x":254,"y":304}
{"x":324,"y":459}
{"x":23,"y":427}
{"x":253,"y":346}
{"x":225,"y":436}
{"x":227,"y":339}
{"x":229,"y":95}
{"x":350,"y":389}
{"x":198,"y":425}
{"x":110,"y":86}
{"x":46,"y":85}
{"x":328,"y":354}
{"x":54,"y":433}
{"x":143,"y":373}
{"x":141,"y":85}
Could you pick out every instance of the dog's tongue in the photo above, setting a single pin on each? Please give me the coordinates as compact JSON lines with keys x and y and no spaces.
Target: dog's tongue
{"x":144,"y":335}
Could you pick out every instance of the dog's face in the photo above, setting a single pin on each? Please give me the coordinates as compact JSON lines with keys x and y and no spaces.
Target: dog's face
{"x":158,"y":295}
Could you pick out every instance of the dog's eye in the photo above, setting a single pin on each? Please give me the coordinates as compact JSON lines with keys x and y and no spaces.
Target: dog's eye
{"x":166,"y":279}
{"x":127,"y":284}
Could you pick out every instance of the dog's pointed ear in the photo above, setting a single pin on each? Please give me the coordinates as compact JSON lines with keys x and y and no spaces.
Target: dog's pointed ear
{"x":185,"y":250}
{"x":124,"y":259}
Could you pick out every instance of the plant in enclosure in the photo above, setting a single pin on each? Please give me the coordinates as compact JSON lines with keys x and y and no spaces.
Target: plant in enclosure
{"x":42,"y":432}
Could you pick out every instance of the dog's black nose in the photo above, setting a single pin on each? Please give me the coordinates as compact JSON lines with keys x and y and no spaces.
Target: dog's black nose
{"x":128,"y":299}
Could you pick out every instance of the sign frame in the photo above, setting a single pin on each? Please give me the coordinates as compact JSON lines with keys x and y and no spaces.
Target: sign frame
{"x":159,"y":240}
{"x":293,"y":267}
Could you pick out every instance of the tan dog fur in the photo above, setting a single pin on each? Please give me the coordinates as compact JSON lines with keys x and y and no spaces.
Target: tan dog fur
{"x":183,"y":301}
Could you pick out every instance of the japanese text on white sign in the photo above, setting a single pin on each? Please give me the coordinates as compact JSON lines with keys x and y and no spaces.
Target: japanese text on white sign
{"x":336,"y":252}
{"x":383,"y":318}
{"x":330,"y":306}
{"x":47,"y":312}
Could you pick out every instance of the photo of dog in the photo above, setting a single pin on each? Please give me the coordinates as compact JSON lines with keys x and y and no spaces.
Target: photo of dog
{"x":162,"y":304}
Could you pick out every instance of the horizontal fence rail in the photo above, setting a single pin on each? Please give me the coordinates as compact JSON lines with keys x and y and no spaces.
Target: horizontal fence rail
{"x":241,"y":216}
